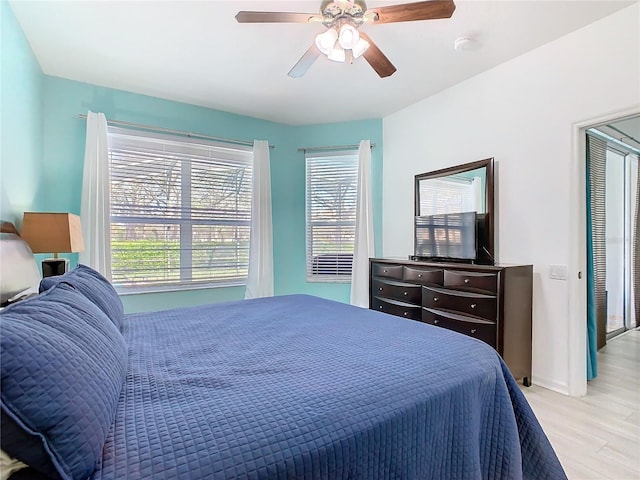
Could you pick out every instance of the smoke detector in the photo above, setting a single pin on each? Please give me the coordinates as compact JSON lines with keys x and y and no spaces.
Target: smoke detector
{"x":463,"y":44}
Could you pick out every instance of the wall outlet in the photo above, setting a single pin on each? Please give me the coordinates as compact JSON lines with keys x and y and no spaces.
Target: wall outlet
{"x":558,"y":272}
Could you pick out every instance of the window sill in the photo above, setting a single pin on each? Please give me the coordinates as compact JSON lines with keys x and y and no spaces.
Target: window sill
{"x":328,"y":279}
{"x":125,"y":291}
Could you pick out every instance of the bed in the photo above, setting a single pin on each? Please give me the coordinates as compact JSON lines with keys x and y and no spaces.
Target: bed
{"x":289,"y":387}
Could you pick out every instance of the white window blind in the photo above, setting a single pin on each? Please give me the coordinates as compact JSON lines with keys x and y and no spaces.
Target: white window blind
{"x":331,"y":184}
{"x":180,"y":211}
{"x":451,"y":195}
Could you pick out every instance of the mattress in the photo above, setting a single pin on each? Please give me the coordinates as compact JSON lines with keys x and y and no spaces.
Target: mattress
{"x":298,"y":387}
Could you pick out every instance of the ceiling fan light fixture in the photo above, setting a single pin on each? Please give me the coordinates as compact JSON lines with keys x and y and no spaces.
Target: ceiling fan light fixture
{"x":349,"y":36}
{"x":337,"y":54}
{"x":359,"y":48}
{"x":342,"y":41}
{"x":327,"y":40}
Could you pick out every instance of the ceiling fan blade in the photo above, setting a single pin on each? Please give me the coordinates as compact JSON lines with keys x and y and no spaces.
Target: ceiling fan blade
{"x":378,"y":61}
{"x":276,"y":17}
{"x":408,"y":12}
{"x":310,"y":56}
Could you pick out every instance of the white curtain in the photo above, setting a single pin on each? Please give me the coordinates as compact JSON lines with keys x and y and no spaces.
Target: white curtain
{"x":364,"y":247}
{"x":95,"y":210}
{"x":260,"y":279}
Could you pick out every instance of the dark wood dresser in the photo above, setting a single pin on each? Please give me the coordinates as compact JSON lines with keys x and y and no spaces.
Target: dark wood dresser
{"x":490,"y":303}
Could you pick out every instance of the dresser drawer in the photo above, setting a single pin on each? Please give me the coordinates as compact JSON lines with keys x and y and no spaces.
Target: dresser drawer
{"x":405,"y":292}
{"x":397,"y":308}
{"x":471,"y":281}
{"x":432,"y":276}
{"x":476,"y":304}
{"x":459,"y":323}
{"x":384,"y":270}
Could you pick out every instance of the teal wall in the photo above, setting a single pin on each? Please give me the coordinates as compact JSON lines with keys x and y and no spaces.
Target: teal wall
{"x":43,"y":155}
{"x":63,"y":158}
{"x":64,"y":134}
{"x":21,"y":82}
{"x":289,"y":206}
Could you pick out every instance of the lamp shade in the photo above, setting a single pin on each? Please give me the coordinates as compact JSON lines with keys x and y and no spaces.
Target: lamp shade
{"x":349,"y":37}
{"x":359,"y":48}
{"x":52,"y":232}
{"x":326,"y":41}
{"x":337,"y":54}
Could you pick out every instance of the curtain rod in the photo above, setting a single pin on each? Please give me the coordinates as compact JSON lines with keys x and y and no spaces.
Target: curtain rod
{"x":334,"y":147}
{"x":176,"y":132}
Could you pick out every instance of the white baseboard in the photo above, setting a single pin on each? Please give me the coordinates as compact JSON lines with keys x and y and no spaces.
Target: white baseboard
{"x":549,"y":384}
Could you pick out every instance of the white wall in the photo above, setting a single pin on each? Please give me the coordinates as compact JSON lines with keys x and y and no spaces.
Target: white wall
{"x":523,"y":113}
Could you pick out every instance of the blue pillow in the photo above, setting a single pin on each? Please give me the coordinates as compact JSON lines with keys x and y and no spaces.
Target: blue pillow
{"x":63,"y":367}
{"x":93,"y":286}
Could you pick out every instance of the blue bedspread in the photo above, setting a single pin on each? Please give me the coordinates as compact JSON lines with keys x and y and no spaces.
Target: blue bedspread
{"x":298,"y":387}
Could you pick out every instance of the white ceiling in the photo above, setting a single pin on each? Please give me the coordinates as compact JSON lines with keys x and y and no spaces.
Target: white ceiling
{"x":195,"y":52}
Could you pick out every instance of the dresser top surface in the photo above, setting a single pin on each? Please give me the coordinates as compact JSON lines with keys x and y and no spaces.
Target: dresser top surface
{"x":456,"y":265}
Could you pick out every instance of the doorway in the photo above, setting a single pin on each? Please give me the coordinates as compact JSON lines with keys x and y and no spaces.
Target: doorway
{"x":613,"y":210}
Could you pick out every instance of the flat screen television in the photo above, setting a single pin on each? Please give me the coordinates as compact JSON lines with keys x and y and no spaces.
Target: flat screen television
{"x":449,"y":236}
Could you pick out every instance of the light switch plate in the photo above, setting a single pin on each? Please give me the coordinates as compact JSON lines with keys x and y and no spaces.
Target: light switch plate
{"x":558,"y":272}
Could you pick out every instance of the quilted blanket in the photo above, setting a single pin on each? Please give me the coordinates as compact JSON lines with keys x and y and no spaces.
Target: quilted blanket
{"x":298,"y":387}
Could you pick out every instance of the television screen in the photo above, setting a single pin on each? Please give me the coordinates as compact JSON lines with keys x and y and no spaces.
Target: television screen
{"x":450,"y":235}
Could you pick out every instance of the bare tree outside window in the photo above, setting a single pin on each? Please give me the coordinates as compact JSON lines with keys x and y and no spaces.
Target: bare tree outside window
{"x":332,"y":187}
{"x":180,"y":212}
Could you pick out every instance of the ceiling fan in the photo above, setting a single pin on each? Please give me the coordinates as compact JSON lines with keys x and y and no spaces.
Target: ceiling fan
{"x":343,"y":41}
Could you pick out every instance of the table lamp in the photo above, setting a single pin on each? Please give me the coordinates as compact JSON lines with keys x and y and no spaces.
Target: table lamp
{"x":52,"y":233}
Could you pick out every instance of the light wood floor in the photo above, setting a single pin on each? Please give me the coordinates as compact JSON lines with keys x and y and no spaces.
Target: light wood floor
{"x":598,"y":436}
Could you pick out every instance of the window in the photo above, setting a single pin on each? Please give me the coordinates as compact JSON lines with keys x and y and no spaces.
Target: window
{"x":451,"y":195}
{"x":332,"y":185}
{"x":180,"y":211}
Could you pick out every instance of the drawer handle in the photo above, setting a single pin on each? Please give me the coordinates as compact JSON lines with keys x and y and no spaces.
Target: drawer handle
{"x":406,"y":313}
{"x":405,"y":294}
{"x":435,"y":322}
{"x":473,"y":305}
{"x":380,"y":307}
{"x":435,"y":299}
{"x":419,"y":275}
{"x":384,"y":271}
{"x":380,"y":288}
{"x":466,"y":280}
{"x":473,"y":330}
